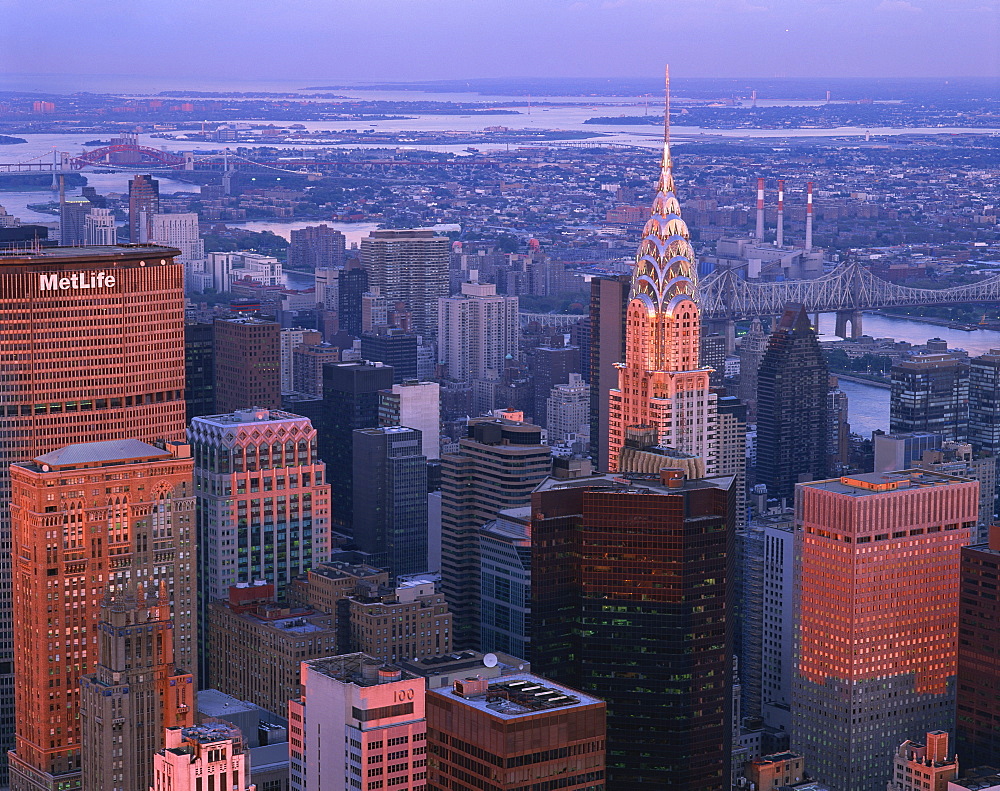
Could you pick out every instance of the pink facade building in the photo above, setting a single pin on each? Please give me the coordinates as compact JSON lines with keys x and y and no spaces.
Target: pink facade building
{"x":359,"y":725}
{"x":202,"y":758}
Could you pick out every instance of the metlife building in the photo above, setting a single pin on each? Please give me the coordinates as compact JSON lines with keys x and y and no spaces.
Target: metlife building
{"x":91,"y":349}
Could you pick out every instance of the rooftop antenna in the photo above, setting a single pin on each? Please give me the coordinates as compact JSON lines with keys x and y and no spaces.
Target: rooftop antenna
{"x":668,"y":163}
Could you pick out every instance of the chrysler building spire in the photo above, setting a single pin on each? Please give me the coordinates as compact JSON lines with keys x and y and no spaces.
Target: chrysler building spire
{"x":665,"y":267}
{"x":661,"y":384}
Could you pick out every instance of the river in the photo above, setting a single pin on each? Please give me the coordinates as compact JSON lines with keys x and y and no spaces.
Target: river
{"x":868,"y":406}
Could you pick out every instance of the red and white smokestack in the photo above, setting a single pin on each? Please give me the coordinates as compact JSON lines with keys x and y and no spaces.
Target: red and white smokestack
{"x":760,"y":210}
{"x":781,"y":213}
{"x":809,"y":216}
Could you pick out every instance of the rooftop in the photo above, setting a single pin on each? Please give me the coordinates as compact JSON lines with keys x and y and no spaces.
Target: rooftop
{"x":337,"y":569}
{"x":215,"y":703}
{"x":99,"y":254}
{"x":116,"y":450}
{"x":458,"y":662}
{"x":870,"y":483}
{"x":359,"y":669}
{"x":632,"y":483}
{"x":518,"y":695}
{"x":512,"y":523}
{"x":209,"y":733}
{"x":981,"y":781}
{"x":268,"y":757}
{"x":250,"y":416}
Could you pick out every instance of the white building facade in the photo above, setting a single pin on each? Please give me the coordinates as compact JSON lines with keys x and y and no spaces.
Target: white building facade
{"x":476,"y":331}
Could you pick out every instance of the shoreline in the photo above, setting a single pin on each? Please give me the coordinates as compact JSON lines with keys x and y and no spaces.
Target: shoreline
{"x":948,"y":323}
{"x":882,"y":385}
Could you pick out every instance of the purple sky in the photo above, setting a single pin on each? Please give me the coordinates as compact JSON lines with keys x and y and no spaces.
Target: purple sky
{"x":431,"y":39}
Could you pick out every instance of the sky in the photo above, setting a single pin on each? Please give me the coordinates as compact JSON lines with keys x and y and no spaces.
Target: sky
{"x":192,"y":43}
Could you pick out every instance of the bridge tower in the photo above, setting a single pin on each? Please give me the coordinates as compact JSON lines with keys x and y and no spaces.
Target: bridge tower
{"x":852,"y":317}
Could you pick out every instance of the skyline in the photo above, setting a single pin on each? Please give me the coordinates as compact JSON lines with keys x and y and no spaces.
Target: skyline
{"x":560,"y":38}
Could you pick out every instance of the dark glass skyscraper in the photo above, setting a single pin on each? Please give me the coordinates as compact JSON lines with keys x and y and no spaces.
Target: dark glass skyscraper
{"x":629,"y":584}
{"x":351,"y":399}
{"x":608,"y":302}
{"x":930,"y":392}
{"x":392,"y":346}
{"x":390,"y":498}
{"x":353,"y":283}
{"x":984,"y":402}
{"x":199,"y":368}
{"x":978,"y":648}
{"x":792,"y":427}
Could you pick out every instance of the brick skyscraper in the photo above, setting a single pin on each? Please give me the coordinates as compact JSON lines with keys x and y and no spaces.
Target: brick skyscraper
{"x":661,"y":383}
{"x":135,"y":694}
{"x":143,"y":203}
{"x":877,"y":617}
{"x":89,"y":519}
{"x":107,"y":328}
{"x":247,"y":363}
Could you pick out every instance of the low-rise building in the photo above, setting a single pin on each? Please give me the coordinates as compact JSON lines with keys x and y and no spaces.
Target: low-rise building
{"x":410,"y":621}
{"x":531,"y":729}
{"x":327,"y":584}
{"x":258,"y":644}
{"x":358,"y":725}
{"x":773,"y":771}
{"x":202,"y":756}
{"x":923,"y":767}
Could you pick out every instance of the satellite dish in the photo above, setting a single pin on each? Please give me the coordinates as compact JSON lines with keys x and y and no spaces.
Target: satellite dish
{"x":490,"y":660}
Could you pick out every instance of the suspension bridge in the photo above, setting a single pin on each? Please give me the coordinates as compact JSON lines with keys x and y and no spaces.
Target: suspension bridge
{"x":847,"y":291}
{"x":127,"y":155}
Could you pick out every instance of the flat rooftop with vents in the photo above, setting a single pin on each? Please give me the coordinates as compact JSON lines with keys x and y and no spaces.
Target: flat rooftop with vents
{"x":517,"y":695}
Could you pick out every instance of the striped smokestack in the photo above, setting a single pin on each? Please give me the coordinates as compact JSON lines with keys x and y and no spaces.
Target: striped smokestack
{"x":760,"y":210}
{"x":781,"y":213}
{"x":809,"y":216}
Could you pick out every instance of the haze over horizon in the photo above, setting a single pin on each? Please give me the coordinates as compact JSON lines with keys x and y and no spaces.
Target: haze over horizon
{"x":396,"y":40}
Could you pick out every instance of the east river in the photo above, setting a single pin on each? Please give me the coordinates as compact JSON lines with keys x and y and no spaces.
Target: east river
{"x":868,"y":406}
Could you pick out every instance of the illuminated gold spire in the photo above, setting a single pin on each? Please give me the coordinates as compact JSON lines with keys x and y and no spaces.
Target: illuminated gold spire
{"x":665,"y":266}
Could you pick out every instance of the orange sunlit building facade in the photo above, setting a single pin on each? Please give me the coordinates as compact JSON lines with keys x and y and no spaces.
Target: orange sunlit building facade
{"x":91,"y":349}
{"x":878,"y":585}
{"x":90,"y":520}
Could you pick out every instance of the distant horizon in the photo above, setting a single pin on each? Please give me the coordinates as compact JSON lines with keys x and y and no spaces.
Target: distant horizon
{"x":378,"y":40}
{"x":513,"y":87}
